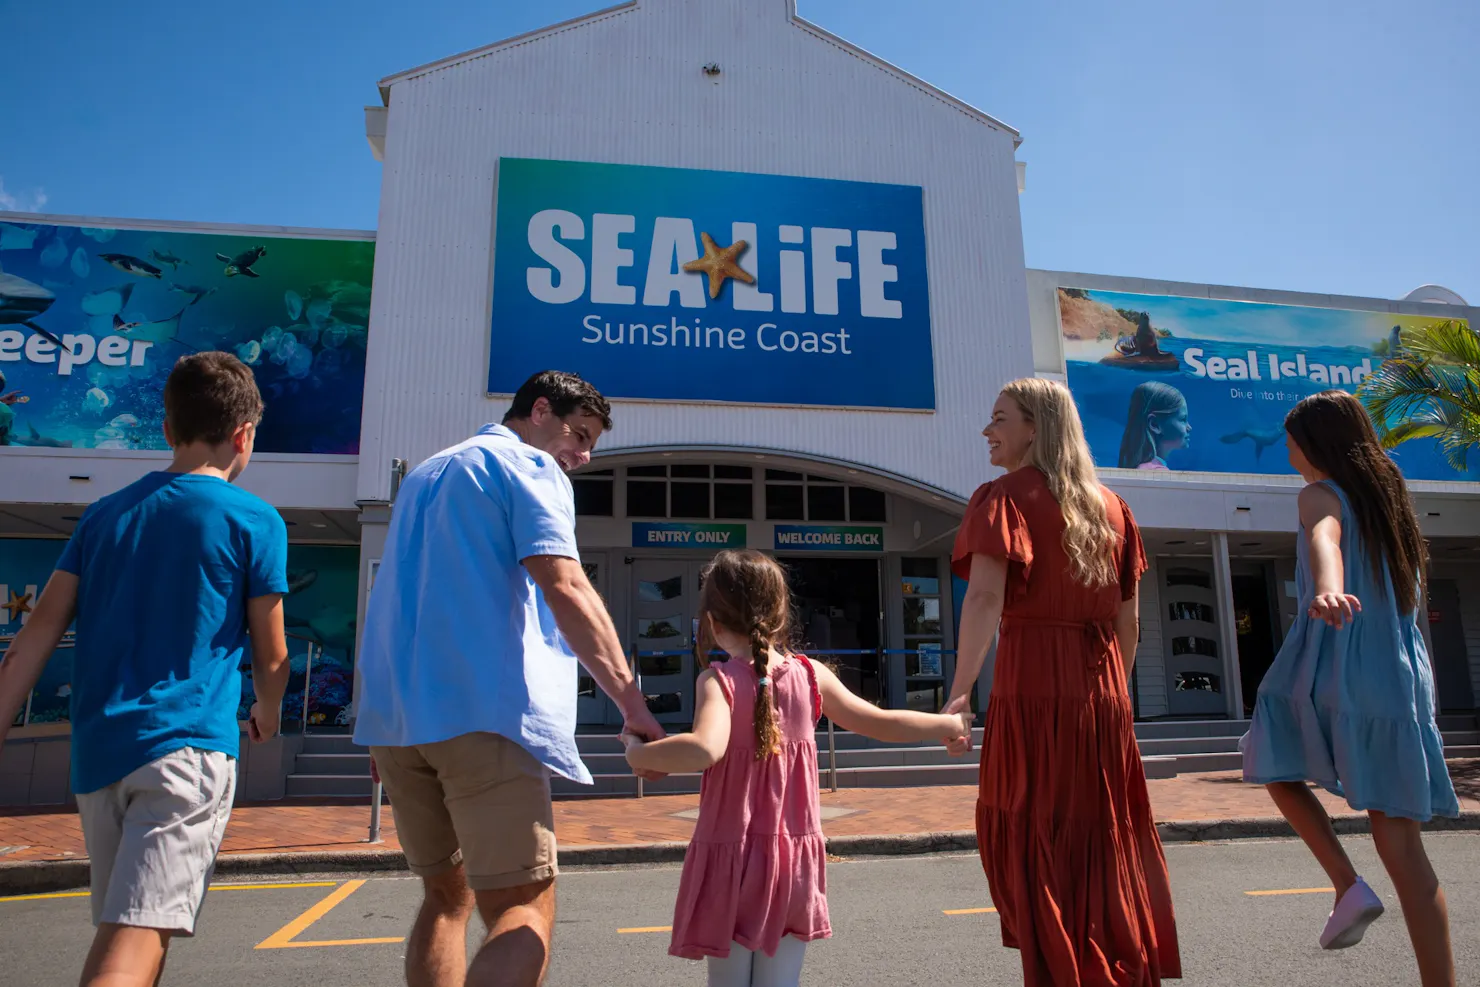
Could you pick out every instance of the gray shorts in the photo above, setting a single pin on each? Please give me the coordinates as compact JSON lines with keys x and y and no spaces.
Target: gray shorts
{"x":152,"y":839}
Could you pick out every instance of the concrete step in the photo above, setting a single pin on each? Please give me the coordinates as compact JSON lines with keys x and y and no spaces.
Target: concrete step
{"x":1195,"y":763}
{"x":1159,"y":767}
{"x":1190,"y":745}
{"x":333,"y":764}
{"x":1461,"y":738}
{"x":328,"y":786}
{"x":1459,"y":721}
{"x":1462,"y":750}
{"x":1188,"y":729}
{"x":331,"y":744}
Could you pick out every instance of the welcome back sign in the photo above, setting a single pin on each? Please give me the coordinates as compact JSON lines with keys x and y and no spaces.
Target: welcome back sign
{"x":685,"y":285}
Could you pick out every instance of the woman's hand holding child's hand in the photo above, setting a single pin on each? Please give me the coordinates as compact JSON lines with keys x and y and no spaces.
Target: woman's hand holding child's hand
{"x":958,"y":743}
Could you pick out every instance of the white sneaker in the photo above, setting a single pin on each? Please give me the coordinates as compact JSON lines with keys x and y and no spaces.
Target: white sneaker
{"x":1356,"y":910}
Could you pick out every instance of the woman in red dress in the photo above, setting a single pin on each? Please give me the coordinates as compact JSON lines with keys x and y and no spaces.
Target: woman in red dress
{"x":1063,"y":820}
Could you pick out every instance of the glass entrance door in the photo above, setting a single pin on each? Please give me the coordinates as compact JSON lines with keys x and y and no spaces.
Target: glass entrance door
{"x":665,"y":595}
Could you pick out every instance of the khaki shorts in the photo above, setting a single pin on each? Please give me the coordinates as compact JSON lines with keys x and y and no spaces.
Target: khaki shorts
{"x":480,"y":800}
{"x":152,"y":839}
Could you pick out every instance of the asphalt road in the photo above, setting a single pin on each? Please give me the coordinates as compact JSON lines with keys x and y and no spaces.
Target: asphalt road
{"x":889,"y":917}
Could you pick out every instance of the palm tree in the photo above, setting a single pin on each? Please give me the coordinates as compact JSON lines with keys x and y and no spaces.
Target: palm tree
{"x":1429,"y":388}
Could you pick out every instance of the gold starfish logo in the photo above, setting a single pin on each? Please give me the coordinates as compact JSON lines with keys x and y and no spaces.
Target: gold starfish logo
{"x":720,"y":264}
{"x":19,"y":604}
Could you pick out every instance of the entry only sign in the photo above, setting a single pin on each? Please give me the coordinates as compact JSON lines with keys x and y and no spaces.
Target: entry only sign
{"x":649,"y":534}
{"x":828,"y":538}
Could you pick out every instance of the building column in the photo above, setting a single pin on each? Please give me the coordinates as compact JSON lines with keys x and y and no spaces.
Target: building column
{"x":375,"y":520}
{"x":1233,"y":686}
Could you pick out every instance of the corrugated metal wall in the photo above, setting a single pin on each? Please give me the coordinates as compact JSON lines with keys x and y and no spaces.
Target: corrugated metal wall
{"x":628,"y":88}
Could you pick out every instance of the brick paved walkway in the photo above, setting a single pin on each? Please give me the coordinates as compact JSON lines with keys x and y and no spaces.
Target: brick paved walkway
{"x":296,"y":827}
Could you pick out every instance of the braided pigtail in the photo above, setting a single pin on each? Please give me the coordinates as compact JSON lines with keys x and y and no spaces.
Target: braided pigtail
{"x":767,"y":734}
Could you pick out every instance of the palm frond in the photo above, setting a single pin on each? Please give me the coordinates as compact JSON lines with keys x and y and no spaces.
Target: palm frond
{"x":1450,"y":342}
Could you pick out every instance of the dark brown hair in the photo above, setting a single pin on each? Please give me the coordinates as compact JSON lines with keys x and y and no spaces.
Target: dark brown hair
{"x":746,"y":592}
{"x":566,"y":392}
{"x":1334,"y":432}
{"x":209,"y":396}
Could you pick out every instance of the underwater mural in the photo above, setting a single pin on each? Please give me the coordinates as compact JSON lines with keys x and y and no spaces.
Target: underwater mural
{"x":92,"y":320}
{"x":319,"y":616}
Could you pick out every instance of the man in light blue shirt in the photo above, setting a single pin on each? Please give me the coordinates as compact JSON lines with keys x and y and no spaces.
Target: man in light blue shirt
{"x":467,"y":667}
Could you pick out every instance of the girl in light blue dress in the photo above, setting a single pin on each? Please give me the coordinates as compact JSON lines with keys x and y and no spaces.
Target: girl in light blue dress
{"x":1349,"y":701}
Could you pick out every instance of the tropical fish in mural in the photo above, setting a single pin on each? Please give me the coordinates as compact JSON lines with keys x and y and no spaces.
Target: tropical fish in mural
{"x":64,"y":691}
{"x":242,"y":262}
{"x":196,"y":293}
{"x":120,"y":326}
{"x":16,"y":237}
{"x":21,"y":301}
{"x":301,"y":579}
{"x":1262,"y":438}
{"x":55,"y":254}
{"x":129,"y":264}
{"x":294,"y":303}
{"x":42,"y":441}
{"x":109,"y":301}
{"x":165,"y":257}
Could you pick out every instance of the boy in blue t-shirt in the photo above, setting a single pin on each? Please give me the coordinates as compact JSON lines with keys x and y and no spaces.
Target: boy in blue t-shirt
{"x":167,"y":579}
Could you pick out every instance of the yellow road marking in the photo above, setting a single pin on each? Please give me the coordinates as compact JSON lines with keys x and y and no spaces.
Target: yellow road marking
{"x":646,"y":928}
{"x":1266,"y":894}
{"x":284,"y":938}
{"x":213,"y":887}
{"x":968,"y":911}
{"x":272,"y":887}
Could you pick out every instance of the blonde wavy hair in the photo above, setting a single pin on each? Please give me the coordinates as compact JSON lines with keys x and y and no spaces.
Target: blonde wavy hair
{"x":1061,"y":454}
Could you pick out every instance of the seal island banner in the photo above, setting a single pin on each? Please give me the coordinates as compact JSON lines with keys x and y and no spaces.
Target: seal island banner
{"x":1166,"y":382}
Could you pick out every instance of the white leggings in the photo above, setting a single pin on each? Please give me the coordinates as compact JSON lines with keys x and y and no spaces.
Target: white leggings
{"x":743,"y":968}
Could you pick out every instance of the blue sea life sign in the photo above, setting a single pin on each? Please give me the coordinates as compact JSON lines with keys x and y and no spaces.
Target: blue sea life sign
{"x":684,"y":285}
{"x":1168,"y":382}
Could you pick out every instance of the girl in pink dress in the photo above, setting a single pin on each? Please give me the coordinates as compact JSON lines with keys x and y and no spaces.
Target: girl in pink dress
{"x":754,"y":886}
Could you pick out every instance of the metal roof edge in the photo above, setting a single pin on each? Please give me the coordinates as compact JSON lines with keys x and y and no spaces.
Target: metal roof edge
{"x":1266,"y":296}
{"x":488,"y":49}
{"x":167,"y":225}
{"x":823,"y":34}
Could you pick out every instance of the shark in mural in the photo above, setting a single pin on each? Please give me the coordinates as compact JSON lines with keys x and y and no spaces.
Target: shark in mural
{"x":21,"y":301}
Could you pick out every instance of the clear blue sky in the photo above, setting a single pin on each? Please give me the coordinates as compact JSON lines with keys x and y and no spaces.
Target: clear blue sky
{"x":1321,"y":145}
